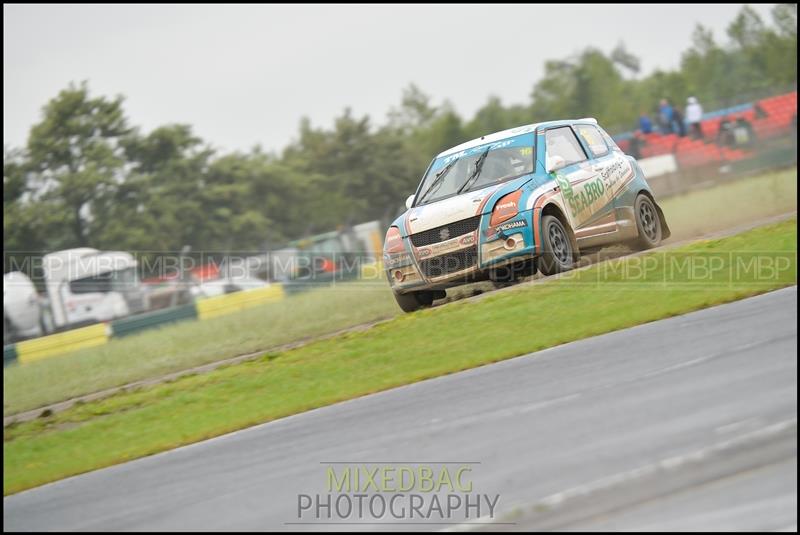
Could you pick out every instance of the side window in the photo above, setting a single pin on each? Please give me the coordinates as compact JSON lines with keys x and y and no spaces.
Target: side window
{"x":562,"y":142}
{"x":609,"y":140}
{"x":99,"y":283}
{"x":594,"y":139}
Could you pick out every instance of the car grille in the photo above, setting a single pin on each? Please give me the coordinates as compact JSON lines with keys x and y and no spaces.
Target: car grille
{"x":434,"y":235}
{"x":445,"y":264}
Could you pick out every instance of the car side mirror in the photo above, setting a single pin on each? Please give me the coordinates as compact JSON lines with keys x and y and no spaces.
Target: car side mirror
{"x":555,"y":163}
{"x":409,"y":202}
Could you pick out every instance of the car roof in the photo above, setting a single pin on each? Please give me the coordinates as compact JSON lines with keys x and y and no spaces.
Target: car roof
{"x":511,"y":132}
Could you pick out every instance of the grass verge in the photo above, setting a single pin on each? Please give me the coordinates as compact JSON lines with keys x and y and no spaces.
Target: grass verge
{"x":185,"y":345}
{"x":316,"y":313}
{"x":730,"y":205}
{"x":602,"y":298}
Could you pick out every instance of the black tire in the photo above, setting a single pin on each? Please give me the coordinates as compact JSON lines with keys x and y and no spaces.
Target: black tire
{"x":413,"y":300}
{"x":558,"y":253}
{"x":648,"y":223}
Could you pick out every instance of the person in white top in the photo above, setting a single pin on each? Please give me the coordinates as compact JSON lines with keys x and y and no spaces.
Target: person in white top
{"x":694,"y":114}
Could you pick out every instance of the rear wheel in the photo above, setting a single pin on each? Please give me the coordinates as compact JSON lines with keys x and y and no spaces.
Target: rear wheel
{"x":558,"y":254}
{"x":648,"y":223}
{"x":412,"y":301}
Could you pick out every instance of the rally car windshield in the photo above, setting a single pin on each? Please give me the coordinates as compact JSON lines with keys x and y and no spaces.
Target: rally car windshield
{"x":477,"y":168}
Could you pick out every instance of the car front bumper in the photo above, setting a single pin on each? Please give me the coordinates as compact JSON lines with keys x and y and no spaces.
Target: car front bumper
{"x":467,"y":258}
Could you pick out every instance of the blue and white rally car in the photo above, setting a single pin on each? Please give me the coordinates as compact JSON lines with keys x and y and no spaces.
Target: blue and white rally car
{"x":509,"y":203}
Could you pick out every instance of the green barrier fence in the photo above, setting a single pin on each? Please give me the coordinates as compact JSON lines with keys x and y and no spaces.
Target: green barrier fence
{"x":149,"y":320}
{"x":9,"y":354}
{"x":320,"y":280}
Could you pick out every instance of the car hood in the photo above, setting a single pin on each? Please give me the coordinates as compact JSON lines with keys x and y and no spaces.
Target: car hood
{"x":456,"y":208}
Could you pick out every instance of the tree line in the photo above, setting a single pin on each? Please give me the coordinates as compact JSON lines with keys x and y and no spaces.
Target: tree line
{"x":87,"y":177}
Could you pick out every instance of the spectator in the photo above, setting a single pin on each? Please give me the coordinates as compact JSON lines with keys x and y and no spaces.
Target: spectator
{"x":665,"y":116}
{"x":678,"y":125}
{"x":635,"y":144}
{"x":725,"y":137}
{"x":694,"y":115}
{"x":645,"y":124}
{"x":743,"y":132}
{"x":760,"y":113}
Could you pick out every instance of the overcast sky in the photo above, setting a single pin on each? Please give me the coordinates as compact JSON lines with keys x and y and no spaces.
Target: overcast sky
{"x":245,"y":74}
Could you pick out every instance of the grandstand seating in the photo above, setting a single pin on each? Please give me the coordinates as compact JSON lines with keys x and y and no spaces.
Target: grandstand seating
{"x":774,"y":119}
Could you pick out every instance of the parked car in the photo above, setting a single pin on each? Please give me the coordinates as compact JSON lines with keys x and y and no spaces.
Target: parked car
{"x":22,"y":309}
{"x":510,"y":203}
{"x":81,"y":286}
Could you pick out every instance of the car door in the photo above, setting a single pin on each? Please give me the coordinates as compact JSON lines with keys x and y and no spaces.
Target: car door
{"x":579,"y":184}
{"x":606,"y":163}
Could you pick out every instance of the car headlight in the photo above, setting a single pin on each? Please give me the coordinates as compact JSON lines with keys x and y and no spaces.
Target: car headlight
{"x":394,"y":241}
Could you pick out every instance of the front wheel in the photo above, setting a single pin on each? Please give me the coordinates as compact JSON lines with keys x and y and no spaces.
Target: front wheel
{"x":648,"y":223}
{"x":412,"y":301}
{"x":558,"y":254}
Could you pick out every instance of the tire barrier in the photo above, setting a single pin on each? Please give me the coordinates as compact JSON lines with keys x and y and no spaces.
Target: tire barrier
{"x":149,"y":320}
{"x":65,"y":342}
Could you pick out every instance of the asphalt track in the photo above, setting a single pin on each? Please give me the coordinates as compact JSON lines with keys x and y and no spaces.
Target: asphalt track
{"x":688,"y":422}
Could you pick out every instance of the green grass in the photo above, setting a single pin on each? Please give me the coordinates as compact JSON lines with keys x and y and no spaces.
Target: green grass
{"x":466,"y":334}
{"x":732,"y":204}
{"x":186,"y":345}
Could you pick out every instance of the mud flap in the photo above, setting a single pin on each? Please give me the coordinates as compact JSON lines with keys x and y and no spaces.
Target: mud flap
{"x":665,"y":232}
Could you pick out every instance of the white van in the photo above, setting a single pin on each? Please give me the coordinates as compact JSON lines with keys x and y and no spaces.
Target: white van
{"x":84,"y":285}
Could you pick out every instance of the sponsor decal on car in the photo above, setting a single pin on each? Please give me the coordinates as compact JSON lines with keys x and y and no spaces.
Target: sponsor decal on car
{"x":491,"y":231}
{"x":467,"y":240}
{"x":614,"y":175}
{"x":396,"y":260}
{"x":563,"y":183}
{"x":582,"y":197}
{"x":512,"y":225}
{"x":494,"y":146}
{"x":448,"y":246}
